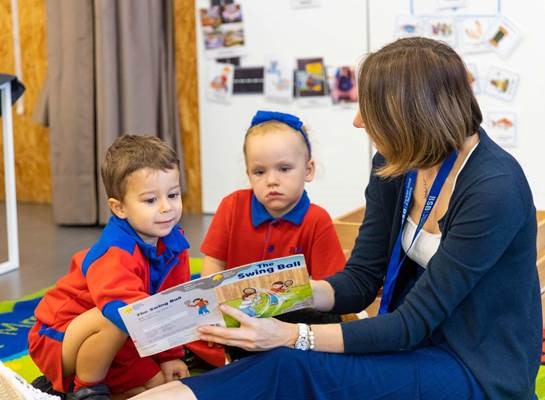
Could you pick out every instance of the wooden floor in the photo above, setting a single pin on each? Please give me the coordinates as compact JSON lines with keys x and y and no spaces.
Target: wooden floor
{"x":45,"y":248}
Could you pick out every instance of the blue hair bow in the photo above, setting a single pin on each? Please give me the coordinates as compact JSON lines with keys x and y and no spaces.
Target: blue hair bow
{"x":288,"y":119}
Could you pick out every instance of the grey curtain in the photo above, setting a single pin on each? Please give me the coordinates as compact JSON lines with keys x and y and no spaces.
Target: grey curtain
{"x":110,"y":72}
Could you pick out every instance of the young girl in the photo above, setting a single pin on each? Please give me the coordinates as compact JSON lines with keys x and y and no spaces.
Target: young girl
{"x":275,"y":217}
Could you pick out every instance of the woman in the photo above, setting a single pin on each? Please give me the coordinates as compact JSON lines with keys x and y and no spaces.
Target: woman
{"x":450,"y":231}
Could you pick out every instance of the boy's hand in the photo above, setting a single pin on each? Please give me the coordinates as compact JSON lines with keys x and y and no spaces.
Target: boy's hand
{"x":174,"y":369}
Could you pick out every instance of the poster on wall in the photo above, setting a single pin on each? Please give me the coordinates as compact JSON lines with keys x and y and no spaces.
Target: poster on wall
{"x":310,"y":82}
{"x":471,"y":34}
{"x":502,"y":127}
{"x":441,"y":28}
{"x":342,"y":84}
{"x":473,"y":77}
{"x":501,"y":83}
{"x":278,"y":79}
{"x":222,"y":29}
{"x":219,"y":85}
{"x":407,"y":26}
{"x":503,"y":37}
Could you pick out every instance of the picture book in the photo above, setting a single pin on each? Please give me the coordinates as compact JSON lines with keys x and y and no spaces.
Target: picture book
{"x":261,"y":289}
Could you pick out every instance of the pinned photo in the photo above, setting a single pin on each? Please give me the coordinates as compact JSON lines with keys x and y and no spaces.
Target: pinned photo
{"x":222,"y":30}
{"x":473,"y":77}
{"x":472,"y":32}
{"x":342,"y":83}
{"x":442,"y":4}
{"x":502,"y":128}
{"x":501,"y":83}
{"x":441,"y":28}
{"x":408,"y":26}
{"x":278,"y":77}
{"x":219,"y":84}
{"x":503,"y":37}
{"x":310,"y":77}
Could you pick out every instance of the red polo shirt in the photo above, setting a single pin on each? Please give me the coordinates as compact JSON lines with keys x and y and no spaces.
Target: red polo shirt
{"x":242,"y":232}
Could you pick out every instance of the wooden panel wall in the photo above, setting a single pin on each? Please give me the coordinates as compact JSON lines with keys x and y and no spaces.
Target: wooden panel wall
{"x":31,"y":141}
{"x":188,"y":101}
{"x":33,"y":173}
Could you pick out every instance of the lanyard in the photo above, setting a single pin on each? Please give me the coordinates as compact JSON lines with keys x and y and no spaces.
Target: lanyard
{"x":395,"y":263}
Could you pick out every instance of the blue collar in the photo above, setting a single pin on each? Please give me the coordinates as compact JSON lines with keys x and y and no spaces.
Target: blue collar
{"x":295,"y":216}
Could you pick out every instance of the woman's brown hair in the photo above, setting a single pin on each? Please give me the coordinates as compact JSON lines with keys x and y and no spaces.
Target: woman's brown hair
{"x":416,"y":103}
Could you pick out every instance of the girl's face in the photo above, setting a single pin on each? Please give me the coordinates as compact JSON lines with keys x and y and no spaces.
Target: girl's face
{"x":277,"y":167}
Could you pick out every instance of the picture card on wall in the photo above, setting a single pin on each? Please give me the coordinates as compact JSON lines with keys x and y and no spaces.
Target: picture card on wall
{"x":310,"y":77}
{"x":501,"y":83}
{"x":473,"y":77}
{"x":342,"y":84}
{"x":305,"y":3}
{"x":450,"y":4}
{"x":219,"y":84}
{"x":502,"y":127}
{"x":503,"y":36}
{"x":471,"y":34}
{"x":407,"y":26}
{"x":248,"y":80}
{"x":278,"y":79}
{"x":222,"y":30}
{"x":441,"y":28}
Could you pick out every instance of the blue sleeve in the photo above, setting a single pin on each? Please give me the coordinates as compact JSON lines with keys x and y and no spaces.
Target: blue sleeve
{"x":357,"y":285}
{"x":484,"y":221}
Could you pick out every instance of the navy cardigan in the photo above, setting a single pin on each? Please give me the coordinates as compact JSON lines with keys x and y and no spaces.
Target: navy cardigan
{"x":479,"y":292}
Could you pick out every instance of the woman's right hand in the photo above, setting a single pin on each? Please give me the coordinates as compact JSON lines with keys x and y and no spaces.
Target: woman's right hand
{"x":254,"y":334}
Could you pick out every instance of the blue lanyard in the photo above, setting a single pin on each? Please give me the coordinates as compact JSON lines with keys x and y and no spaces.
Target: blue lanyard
{"x":395,"y":263}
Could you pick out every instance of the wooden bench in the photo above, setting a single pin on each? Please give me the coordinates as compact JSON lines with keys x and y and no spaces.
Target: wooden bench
{"x":347,"y":227}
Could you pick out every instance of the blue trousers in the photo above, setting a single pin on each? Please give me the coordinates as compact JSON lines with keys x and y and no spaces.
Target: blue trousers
{"x":426,"y":373}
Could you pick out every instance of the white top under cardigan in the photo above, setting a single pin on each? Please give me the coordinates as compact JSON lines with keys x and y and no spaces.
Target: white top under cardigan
{"x":425,"y":245}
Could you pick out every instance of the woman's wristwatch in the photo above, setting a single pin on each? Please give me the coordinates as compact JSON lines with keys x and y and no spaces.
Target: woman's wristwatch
{"x":305,"y":340}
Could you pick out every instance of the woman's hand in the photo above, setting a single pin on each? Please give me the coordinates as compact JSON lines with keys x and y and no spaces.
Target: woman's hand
{"x":254,"y":334}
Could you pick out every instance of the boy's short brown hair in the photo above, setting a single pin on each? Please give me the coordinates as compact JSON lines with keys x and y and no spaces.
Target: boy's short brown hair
{"x":416,"y":103}
{"x":130,"y":153}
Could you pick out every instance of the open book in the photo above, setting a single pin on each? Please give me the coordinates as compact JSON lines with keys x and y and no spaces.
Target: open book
{"x":261,"y":289}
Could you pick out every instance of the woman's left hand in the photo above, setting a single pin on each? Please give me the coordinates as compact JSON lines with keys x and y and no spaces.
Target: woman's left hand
{"x":254,"y":334}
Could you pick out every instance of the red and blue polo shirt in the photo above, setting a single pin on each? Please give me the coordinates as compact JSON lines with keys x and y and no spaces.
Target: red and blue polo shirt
{"x":242,"y":231}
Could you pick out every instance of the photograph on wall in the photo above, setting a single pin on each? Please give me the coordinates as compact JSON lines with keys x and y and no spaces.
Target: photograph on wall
{"x":342,"y":84}
{"x":278,"y":79}
{"x":442,"y":4}
{"x":219,"y":84}
{"x":310,"y":77}
{"x":306,"y":3}
{"x":407,"y":26}
{"x":471,"y":34}
{"x":441,"y":28}
{"x":222,"y":29}
{"x":503,"y":37}
{"x":473,"y":77}
{"x":501,"y":126}
{"x":501,"y":83}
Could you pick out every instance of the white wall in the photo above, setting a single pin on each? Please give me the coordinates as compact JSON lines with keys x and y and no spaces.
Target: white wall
{"x":335,"y":31}
{"x":528,"y":60}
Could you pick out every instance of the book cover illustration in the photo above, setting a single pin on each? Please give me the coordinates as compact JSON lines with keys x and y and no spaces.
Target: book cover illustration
{"x":261,"y":289}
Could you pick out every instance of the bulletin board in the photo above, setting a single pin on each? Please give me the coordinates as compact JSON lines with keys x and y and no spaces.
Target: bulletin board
{"x":341,"y":33}
{"x":332,"y":30}
{"x":510,"y":80}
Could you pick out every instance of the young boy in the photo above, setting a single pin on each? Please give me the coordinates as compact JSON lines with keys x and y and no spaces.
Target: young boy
{"x":275,"y":217}
{"x":79,"y":339}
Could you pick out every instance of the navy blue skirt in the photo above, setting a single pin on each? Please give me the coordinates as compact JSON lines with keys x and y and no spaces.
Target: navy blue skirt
{"x":283,"y":373}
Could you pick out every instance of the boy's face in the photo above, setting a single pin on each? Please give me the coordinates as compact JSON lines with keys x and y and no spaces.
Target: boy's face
{"x":152,"y":204}
{"x":277,"y":168}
